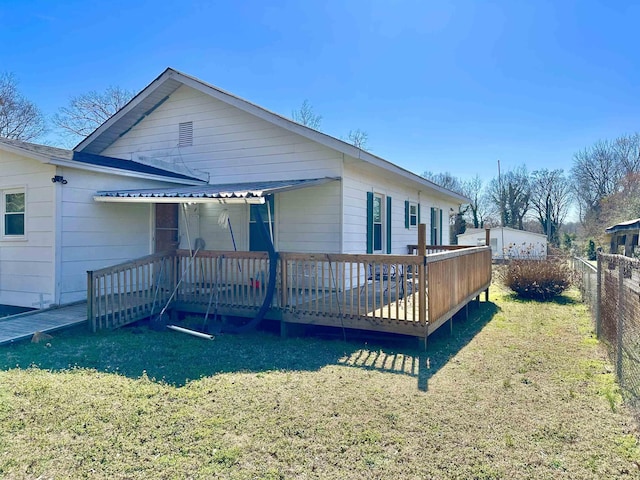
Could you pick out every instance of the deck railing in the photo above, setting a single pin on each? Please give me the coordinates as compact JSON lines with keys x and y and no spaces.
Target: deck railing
{"x":127,"y":292}
{"x":394,"y":293}
{"x":454,"y":278}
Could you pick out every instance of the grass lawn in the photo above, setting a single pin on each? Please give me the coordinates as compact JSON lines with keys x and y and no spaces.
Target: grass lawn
{"x":520,"y":390}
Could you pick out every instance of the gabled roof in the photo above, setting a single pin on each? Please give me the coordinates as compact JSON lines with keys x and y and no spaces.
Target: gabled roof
{"x":624,"y":226}
{"x":248,"y":192}
{"x":159,"y":90}
{"x":82,"y":160}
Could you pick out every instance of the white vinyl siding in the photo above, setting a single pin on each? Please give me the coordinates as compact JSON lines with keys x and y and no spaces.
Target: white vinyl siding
{"x":96,"y":235}
{"x":357,"y":182}
{"x":27,"y":261}
{"x":308,"y":219}
{"x":233,"y":146}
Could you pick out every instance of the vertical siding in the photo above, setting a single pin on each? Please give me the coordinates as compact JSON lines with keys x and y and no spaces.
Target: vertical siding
{"x":95,"y":235}
{"x":233,"y":146}
{"x":27,"y":265}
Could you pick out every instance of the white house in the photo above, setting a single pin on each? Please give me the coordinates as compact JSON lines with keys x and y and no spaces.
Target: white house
{"x":507,"y":242}
{"x":185,"y":160}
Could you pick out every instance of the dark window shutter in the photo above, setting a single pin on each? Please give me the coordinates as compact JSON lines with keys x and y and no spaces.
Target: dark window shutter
{"x":440,"y":210}
{"x":388,"y":224}
{"x":418,"y":214}
{"x":432,"y":226}
{"x":369,"y":222}
{"x":406,"y":214}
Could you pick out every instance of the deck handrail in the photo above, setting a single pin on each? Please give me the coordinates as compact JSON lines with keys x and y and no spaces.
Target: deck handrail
{"x":454,"y":278}
{"x":384,"y":290}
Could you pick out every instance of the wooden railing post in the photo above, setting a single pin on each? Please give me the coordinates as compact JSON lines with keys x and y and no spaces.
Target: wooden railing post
{"x":90,"y":301}
{"x":422,"y":277}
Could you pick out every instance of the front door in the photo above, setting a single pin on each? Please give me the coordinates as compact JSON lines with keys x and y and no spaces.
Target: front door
{"x":166,"y":231}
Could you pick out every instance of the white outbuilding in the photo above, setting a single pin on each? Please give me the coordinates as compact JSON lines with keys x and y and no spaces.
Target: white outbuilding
{"x":507,"y":242}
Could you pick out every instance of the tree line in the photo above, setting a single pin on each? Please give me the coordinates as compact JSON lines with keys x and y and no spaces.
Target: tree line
{"x":537,"y":201}
{"x":603,"y":185}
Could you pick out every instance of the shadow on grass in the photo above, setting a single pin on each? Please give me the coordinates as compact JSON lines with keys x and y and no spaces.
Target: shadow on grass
{"x":176,"y":358}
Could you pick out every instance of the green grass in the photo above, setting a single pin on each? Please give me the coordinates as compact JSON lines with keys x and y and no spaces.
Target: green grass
{"x":520,"y":390}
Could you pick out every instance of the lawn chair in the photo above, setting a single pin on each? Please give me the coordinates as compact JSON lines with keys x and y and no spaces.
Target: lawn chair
{"x":377,"y":273}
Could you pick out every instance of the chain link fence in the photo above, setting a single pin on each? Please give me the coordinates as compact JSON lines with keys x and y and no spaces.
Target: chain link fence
{"x":612,"y":289}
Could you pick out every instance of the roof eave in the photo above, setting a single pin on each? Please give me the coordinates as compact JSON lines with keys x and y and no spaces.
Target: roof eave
{"x":123,"y":173}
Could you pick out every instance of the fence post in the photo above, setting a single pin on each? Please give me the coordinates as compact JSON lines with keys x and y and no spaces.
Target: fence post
{"x":620,"y":326}
{"x":598,"y":295}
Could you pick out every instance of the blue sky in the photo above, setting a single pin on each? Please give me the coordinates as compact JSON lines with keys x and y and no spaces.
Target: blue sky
{"x":441,"y":86}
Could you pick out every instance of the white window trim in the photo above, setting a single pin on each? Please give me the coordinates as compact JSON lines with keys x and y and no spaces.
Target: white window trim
{"x":413,"y":205}
{"x":3,"y":199}
{"x":383,"y":229}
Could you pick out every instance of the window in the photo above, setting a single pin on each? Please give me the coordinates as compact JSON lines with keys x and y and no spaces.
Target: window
{"x":411,"y":214}
{"x":436,"y":226}
{"x":257,"y":242}
{"x":13,"y":205}
{"x":378,"y":223}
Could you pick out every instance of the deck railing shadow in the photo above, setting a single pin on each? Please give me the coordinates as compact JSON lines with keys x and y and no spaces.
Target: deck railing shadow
{"x":444,"y":344}
{"x":177,"y":359}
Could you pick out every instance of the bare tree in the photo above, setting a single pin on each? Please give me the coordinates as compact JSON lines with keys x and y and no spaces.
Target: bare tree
{"x":359,"y":138}
{"x":20,"y":118}
{"x":446,"y":180}
{"x":306,"y":116}
{"x":511,"y":197}
{"x":550,"y":199}
{"x":474,"y":190}
{"x":88,"y":111}
{"x":596,"y":172}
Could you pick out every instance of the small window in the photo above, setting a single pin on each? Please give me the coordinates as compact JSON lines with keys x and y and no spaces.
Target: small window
{"x":185,"y":134}
{"x":413,"y":214}
{"x":13,"y":213}
{"x":377,"y":223}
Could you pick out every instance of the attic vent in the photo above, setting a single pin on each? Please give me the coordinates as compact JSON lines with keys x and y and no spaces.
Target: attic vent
{"x":185,"y":134}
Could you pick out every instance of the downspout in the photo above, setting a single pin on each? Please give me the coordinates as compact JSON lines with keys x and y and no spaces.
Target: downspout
{"x":57,"y":234}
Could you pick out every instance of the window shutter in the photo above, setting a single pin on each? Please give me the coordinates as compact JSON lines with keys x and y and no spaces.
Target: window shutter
{"x":369,"y":222}
{"x":440,"y":227}
{"x":406,"y":214}
{"x":388,"y":224}
{"x":418,"y":214}
{"x":432,"y":226}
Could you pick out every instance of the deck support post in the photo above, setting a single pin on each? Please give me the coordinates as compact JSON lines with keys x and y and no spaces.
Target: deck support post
{"x":486,"y":295}
{"x":422,"y":277}
{"x":284,"y":329}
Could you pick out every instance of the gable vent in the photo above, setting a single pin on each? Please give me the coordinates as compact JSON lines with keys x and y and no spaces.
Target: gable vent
{"x":185,"y":134}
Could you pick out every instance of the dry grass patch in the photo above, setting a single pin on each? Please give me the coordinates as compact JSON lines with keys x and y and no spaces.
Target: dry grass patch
{"x":519,"y":391}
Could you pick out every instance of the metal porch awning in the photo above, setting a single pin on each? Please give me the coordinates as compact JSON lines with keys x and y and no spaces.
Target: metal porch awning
{"x":624,"y":226}
{"x":244,"y":193}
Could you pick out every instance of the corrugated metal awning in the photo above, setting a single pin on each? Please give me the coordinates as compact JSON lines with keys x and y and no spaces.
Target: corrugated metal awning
{"x":624,"y":226}
{"x":251,"y":192}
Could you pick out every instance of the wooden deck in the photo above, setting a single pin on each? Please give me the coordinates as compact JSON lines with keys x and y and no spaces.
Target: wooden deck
{"x":19,"y":327}
{"x":404,"y":294}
